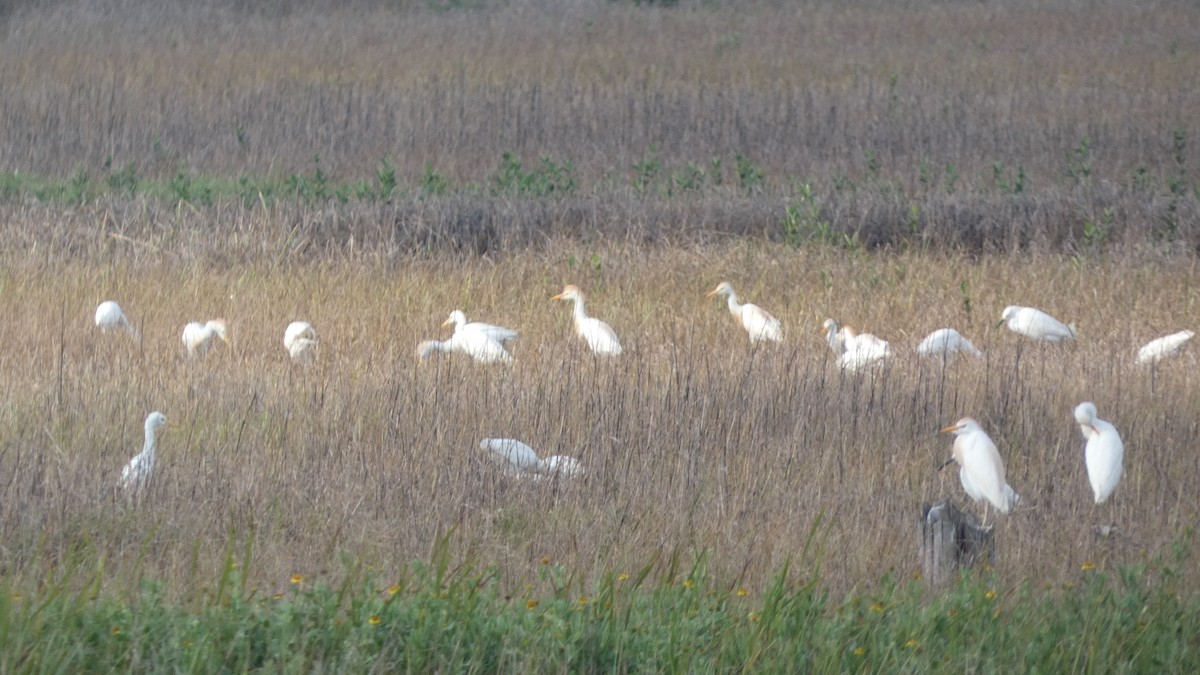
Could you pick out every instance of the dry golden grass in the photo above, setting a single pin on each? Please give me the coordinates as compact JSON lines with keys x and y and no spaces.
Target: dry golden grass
{"x":692,"y":441}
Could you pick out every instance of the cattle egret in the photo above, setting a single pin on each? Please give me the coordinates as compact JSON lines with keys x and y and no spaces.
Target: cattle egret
{"x":109,"y":317}
{"x":520,"y":460}
{"x":862,"y":351}
{"x":946,"y":342}
{"x":136,"y":475}
{"x":300,"y":339}
{"x":837,"y":337}
{"x":1036,"y":324}
{"x":473,"y":343}
{"x":758,"y":322}
{"x":981,"y":470}
{"x":597,"y":334}
{"x":854,"y":351}
{"x":497,"y":333}
{"x":197,"y":337}
{"x":1103,"y":452}
{"x":1151,"y":353}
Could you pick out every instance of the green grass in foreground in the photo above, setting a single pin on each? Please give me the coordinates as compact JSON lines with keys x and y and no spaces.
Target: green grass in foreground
{"x":436,"y":618}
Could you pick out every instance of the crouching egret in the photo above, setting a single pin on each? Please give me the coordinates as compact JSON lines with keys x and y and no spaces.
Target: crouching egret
{"x":520,"y":459}
{"x":497,"y":333}
{"x":946,"y":342}
{"x":300,"y":339}
{"x":863,"y":351}
{"x":1036,"y":324}
{"x":478,"y":344}
{"x":198,"y":337}
{"x":1103,"y":452}
{"x":137,"y":474}
{"x":597,"y":334}
{"x":758,"y":322}
{"x":854,"y":351}
{"x":109,"y":317}
{"x":837,"y":337}
{"x":981,"y":470}
{"x":1155,"y":350}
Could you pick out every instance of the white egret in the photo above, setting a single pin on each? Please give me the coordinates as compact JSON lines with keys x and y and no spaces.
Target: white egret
{"x":473,"y":343}
{"x":946,"y":342}
{"x":1163,"y":347}
{"x":1103,"y":452}
{"x":520,"y":460}
{"x":300,"y":339}
{"x":981,"y":470}
{"x":837,"y":337}
{"x":758,"y":322}
{"x":497,"y":333}
{"x":597,"y":334}
{"x":1036,"y":324}
{"x":137,"y":474}
{"x":197,"y":337}
{"x":109,"y":317}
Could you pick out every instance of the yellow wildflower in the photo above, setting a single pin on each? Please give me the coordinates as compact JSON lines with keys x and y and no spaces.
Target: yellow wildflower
{"x":742,"y":592}
{"x":297,"y":579}
{"x":1087,"y":566}
{"x":531,"y":603}
{"x":374,"y":620}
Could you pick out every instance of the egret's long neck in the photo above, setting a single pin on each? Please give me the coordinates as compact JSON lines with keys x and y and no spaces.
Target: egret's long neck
{"x":580,"y":315}
{"x":151,"y":441}
{"x":734,"y":307}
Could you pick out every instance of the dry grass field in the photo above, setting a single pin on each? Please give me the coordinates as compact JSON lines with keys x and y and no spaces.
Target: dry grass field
{"x":908,"y":119}
{"x":692,"y":440}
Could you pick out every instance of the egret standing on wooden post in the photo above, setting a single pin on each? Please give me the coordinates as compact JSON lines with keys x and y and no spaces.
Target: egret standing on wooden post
{"x":1103,"y":453}
{"x":598,"y":335}
{"x":758,"y":322}
{"x":981,"y":470}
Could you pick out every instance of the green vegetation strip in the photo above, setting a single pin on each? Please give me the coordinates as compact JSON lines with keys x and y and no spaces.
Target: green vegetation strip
{"x":440,"y":619}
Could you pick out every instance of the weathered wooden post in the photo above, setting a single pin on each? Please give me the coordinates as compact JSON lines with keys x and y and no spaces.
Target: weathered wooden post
{"x":951,"y":539}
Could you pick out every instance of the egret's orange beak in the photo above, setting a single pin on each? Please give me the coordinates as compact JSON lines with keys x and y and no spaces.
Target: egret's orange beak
{"x":952,"y":427}
{"x":710,"y":293}
{"x":557,"y":297}
{"x":447,"y":322}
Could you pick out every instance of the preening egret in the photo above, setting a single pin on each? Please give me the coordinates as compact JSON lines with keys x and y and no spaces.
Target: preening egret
{"x":837,"y":337}
{"x":1103,"y":453}
{"x":1160,"y":348}
{"x":758,"y":322}
{"x":140,"y":469}
{"x":197,"y":337}
{"x":520,"y":459}
{"x":1036,"y":324}
{"x":597,"y":334}
{"x":109,"y":317}
{"x":981,"y":470}
{"x":854,"y":351}
{"x":474,"y":343}
{"x":862,"y":351}
{"x":497,"y":333}
{"x":946,"y":342}
{"x":300,"y":339}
